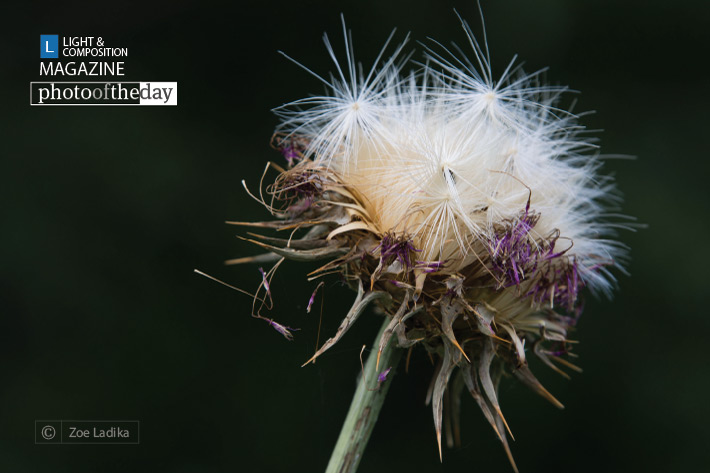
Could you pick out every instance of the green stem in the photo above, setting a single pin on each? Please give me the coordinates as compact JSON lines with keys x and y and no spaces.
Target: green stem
{"x":365,"y":408}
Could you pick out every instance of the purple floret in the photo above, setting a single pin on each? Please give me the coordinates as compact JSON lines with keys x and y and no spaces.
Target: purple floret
{"x":393,"y":248}
{"x":558,"y":284}
{"x":282,"y":329}
{"x":430,"y":266}
{"x":382,"y":377}
{"x":517,"y":257}
{"x":292,"y":148}
{"x":513,"y":253}
{"x":290,"y":154}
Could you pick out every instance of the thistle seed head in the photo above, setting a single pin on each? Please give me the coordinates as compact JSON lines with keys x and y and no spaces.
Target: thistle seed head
{"x":470,"y":209}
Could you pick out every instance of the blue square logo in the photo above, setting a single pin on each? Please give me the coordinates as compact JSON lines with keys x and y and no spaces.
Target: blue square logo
{"x":49,"y":46}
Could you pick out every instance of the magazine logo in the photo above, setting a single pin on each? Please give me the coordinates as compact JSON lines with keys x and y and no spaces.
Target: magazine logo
{"x":79,"y":58}
{"x":48,"y":46}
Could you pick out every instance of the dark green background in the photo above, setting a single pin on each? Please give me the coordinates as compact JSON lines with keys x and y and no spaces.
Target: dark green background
{"x":106,"y":211}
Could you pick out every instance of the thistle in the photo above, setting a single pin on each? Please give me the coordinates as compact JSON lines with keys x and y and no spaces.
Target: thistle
{"x":469,"y":209}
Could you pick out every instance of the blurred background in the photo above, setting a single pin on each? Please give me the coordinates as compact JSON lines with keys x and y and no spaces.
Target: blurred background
{"x":106,"y":211}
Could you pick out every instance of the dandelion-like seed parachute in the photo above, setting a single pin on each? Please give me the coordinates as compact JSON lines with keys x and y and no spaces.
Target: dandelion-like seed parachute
{"x":469,"y":209}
